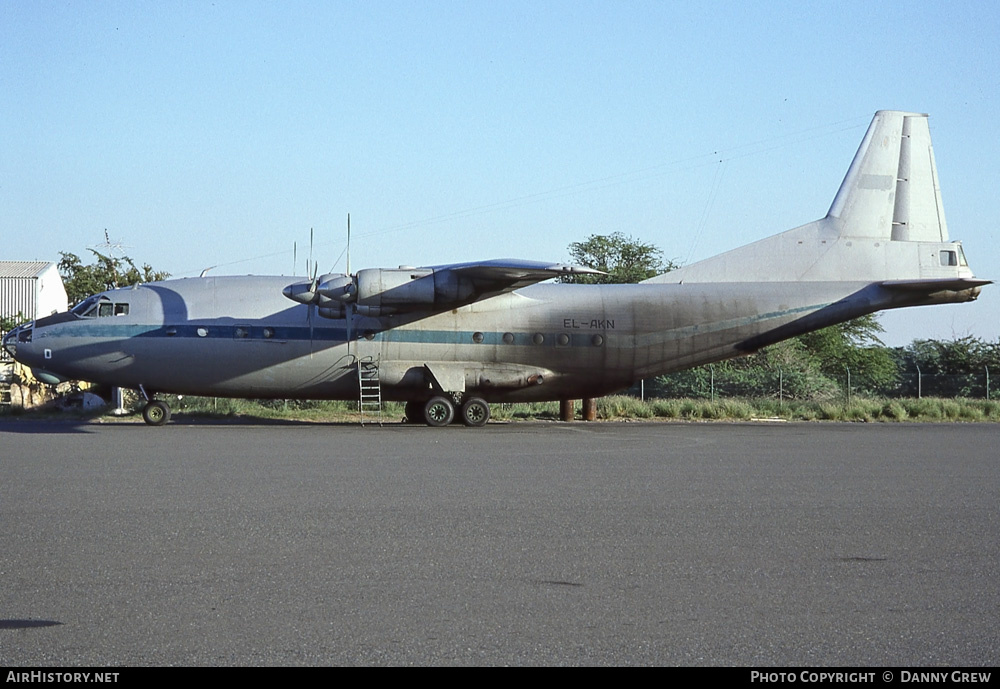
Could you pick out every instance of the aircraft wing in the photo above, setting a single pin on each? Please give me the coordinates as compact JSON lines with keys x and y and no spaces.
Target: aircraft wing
{"x":458,"y":284}
{"x":380,"y":291}
{"x":507,"y":274}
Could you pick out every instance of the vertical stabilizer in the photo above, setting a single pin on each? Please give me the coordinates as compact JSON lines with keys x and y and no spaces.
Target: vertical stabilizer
{"x":886,"y":223}
{"x":918,"y":215}
{"x":891,"y":190}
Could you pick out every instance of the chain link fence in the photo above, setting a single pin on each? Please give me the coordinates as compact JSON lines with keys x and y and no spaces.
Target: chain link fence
{"x":706,"y":383}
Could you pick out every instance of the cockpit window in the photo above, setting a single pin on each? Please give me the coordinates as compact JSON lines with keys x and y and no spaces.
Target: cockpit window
{"x":100,"y":307}
{"x":85,"y":306}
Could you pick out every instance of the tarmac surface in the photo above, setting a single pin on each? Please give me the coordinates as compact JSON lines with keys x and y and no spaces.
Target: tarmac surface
{"x":224,"y":543}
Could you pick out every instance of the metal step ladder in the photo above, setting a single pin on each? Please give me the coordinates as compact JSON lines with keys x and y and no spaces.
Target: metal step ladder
{"x":369,"y":388}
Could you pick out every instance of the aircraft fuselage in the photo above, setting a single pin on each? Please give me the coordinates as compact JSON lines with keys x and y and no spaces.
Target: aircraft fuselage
{"x":543,"y":342}
{"x":470,"y":333}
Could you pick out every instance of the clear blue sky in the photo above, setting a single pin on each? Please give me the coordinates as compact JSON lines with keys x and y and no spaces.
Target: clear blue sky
{"x":217,"y":133}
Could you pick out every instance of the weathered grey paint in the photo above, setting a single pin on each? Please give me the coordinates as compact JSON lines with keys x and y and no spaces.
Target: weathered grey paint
{"x":883,"y":244}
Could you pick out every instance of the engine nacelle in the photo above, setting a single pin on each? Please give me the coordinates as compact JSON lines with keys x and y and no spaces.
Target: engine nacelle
{"x":337,"y":286}
{"x":382,"y":291}
{"x":335,"y":310}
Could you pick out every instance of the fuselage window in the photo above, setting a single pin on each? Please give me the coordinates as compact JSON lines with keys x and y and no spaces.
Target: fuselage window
{"x":949,"y":258}
{"x":121,"y":309}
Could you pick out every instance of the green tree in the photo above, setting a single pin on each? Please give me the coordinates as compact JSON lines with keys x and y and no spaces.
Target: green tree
{"x":810,"y":366}
{"x":624,"y":259}
{"x":854,"y":345}
{"x":948,"y":368}
{"x":785,"y":369}
{"x":107,"y":272}
{"x":8,"y":323}
{"x":963,"y":355}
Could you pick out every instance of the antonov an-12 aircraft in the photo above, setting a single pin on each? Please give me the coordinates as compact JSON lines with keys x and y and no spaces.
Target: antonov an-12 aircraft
{"x":448,"y":340}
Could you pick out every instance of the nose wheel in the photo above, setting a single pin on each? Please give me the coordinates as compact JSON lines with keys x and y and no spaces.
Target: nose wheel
{"x":156,"y":413}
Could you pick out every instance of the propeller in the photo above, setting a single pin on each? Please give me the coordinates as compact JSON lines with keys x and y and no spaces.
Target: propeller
{"x":332,"y":293}
{"x":305,"y":292}
{"x":325,"y":290}
{"x":312,"y":290}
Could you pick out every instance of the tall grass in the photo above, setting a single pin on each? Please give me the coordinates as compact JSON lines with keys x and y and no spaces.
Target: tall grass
{"x":856,"y":409}
{"x":618,"y":407}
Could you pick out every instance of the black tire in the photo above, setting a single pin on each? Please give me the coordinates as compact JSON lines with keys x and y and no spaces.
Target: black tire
{"x":156,"y":413}
{"x":414,"y":412}
{"x":475,"y":412}
{"x":439,"y":411}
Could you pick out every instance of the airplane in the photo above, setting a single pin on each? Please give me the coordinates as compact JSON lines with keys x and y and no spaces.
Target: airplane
{"x":449,"y":340}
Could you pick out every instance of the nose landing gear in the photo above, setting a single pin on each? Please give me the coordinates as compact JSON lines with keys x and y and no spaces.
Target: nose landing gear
{"x":156,"y":413}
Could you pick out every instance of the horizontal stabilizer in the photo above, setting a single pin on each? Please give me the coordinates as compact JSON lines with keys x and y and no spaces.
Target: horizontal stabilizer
{"x":929,"y":286}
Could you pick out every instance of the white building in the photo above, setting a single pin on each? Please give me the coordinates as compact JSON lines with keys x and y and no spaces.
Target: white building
{"x":30,"y":290}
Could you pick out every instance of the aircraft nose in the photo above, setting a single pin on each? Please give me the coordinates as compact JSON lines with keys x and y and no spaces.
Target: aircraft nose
{"x":19,"y":335}
{"x":10,"y":342}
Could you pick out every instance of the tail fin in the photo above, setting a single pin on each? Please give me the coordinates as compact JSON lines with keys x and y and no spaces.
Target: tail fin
{"x":886,"y":223}
{"x":891,"y":190}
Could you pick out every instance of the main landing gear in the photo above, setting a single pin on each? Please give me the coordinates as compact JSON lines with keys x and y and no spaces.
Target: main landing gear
{"x":475,"y":412}
{"x":440,"y":411}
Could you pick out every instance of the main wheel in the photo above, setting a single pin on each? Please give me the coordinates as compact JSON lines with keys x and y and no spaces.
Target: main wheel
{"x":156,"y":413}
{"x":475,"y":412}
{"x":414,"y":412}
{"x":439,"y":411}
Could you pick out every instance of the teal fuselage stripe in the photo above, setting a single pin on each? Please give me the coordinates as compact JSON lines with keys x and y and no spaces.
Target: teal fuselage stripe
{"x":281,"y":333}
